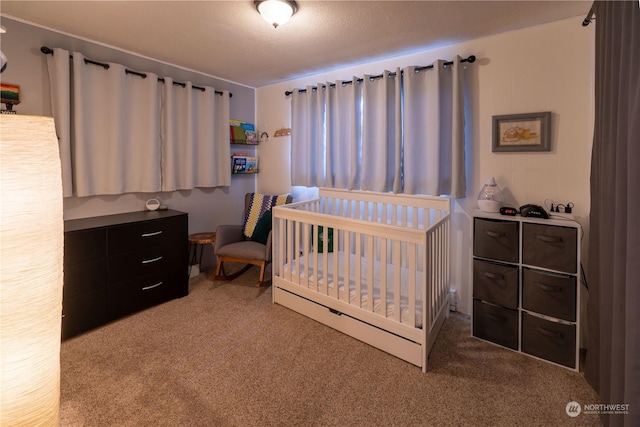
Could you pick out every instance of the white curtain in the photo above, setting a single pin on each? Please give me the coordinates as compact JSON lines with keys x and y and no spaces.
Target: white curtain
{"x":381,"y":133}
{"x":344,"y":136}
{"x":308,"y":137}
{"x":116,"y":135}
{"x":195,"y":147}
{"x":116,"y":125}
{"x":60,"y":77}
{"x":434,"y":157}
{"x":402,"y":132}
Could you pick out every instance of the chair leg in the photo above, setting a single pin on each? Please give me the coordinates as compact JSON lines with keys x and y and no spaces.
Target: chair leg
{"x":218,"y":267}
{"x":261,"y":279}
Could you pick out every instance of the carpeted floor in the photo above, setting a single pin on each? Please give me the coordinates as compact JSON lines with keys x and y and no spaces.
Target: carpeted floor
{"x":226,"y":356}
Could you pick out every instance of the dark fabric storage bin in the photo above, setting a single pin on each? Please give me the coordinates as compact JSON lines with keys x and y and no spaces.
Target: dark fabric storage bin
{"x":549,"y":294}
{"x":550,"y":247}
{"x":495,"y":283}
{"x":496,"y":324}
{"x":496,"y":239}
{"x":549,"y":340}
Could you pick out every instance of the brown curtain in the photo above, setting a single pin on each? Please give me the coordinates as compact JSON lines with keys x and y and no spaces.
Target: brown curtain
{"x":613,"y":312}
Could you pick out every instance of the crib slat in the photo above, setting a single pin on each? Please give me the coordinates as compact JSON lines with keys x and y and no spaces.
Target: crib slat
{"x":347,"y":265}
{"x":383,"y":277}
{"x":289,"y":237}
{"x":397,"y":266}
{"x":336,"y":263}
{"x":305,"y":255}
{"x":370,"y":263}
{"x":314,"y":271}
{"x":325,"y":258}
{"x":404,"y":216}
{"x":279,"y":243}
{"x":358,"y":268}
{"x":412,"y":283}
{"x":430,"y":276}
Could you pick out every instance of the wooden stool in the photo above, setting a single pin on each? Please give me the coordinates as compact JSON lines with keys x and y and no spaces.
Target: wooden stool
{"x":199,"y":239}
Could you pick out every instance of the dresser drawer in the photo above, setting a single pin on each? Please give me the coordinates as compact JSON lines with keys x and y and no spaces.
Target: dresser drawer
{"x":89,"y":276}
{"x":550,"y":247}
{"x":86,"y":245}
{"x":495,"y":283}
{"x":549,"y":294}
{"x":496,"y":239}
{"x":83,"y":312}
{"x":135,"y":236}
{"x":496,"y":324}
{"x":154,"y":259}
{"x":549,"y":340}
{"x":147,"y":291}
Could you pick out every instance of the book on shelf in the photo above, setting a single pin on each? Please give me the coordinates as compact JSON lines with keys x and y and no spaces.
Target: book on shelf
{"x":244,"y":164}
{"x":242,"y":132}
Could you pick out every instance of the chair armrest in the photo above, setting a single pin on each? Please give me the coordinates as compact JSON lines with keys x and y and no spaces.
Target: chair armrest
{"x":227,"y":234}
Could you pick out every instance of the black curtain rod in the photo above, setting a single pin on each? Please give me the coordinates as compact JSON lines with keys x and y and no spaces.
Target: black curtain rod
{"x":49,"y":51}
{"x":471,"y":59}
{"x":589,"y":17}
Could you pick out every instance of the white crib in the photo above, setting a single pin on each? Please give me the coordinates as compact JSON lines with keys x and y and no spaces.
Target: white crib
{"x":372,"y":265}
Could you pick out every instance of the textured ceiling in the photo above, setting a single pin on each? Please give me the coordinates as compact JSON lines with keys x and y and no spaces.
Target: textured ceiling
{"x":228,"y":39}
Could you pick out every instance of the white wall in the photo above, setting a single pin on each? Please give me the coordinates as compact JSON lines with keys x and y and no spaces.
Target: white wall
{"x":542,"y":68}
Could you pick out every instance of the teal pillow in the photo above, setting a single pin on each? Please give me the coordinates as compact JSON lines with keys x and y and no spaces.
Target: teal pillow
{"x":262,"y":228}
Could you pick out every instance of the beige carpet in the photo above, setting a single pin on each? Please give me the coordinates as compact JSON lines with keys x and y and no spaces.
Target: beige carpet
{"x":226,"y":356}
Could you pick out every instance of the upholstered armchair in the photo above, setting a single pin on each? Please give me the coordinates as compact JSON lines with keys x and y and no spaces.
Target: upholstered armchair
{"x":248,"y":243}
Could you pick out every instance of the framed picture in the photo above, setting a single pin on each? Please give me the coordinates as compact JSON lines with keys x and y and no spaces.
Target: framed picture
{"x":522,"y":132}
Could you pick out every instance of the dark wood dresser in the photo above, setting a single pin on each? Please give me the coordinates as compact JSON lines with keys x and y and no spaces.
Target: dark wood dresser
{"x":115,"y":265}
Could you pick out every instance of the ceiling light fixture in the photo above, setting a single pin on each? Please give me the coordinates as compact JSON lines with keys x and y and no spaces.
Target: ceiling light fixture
{"x":276,"y":12}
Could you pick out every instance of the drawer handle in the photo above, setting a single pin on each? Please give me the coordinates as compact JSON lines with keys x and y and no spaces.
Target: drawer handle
{"x":552,"y":334}
{"x":494,"y":234}
{"x":155,"y":233}
{"x":548,"y":288}
{"x":549,"y":239}
{"x":146,"y":288}
{"x":149,"y":261}
{"x":494,"y":276}
{"x":497,"y":318}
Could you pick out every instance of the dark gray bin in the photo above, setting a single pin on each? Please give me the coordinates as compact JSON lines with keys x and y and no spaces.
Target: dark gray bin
{"x":495,"y":239}
{"x":495,"y":283}
{"x":551,"y":247}
{"x":549,"y":340}
{"x":549,"y":294}
{"x":496,"y":324}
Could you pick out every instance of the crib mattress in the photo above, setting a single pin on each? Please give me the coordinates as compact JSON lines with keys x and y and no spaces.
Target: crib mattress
{"x":325,"y":283}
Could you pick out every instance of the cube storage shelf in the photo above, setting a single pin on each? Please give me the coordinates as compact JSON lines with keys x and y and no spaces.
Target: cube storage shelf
{"x":526,"y":285}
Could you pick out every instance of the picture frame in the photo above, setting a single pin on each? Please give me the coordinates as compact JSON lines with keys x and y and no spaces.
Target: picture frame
{"x":522,"y":132}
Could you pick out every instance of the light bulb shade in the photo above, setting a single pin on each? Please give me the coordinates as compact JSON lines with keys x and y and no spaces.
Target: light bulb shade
{"x":276,"y":12}
{"x":31,"y":259}
{"x":490,"y":197}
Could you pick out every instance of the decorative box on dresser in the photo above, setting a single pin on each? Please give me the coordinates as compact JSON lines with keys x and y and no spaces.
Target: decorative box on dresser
{"x":115,"y":265}
{"x":526,"y":285}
